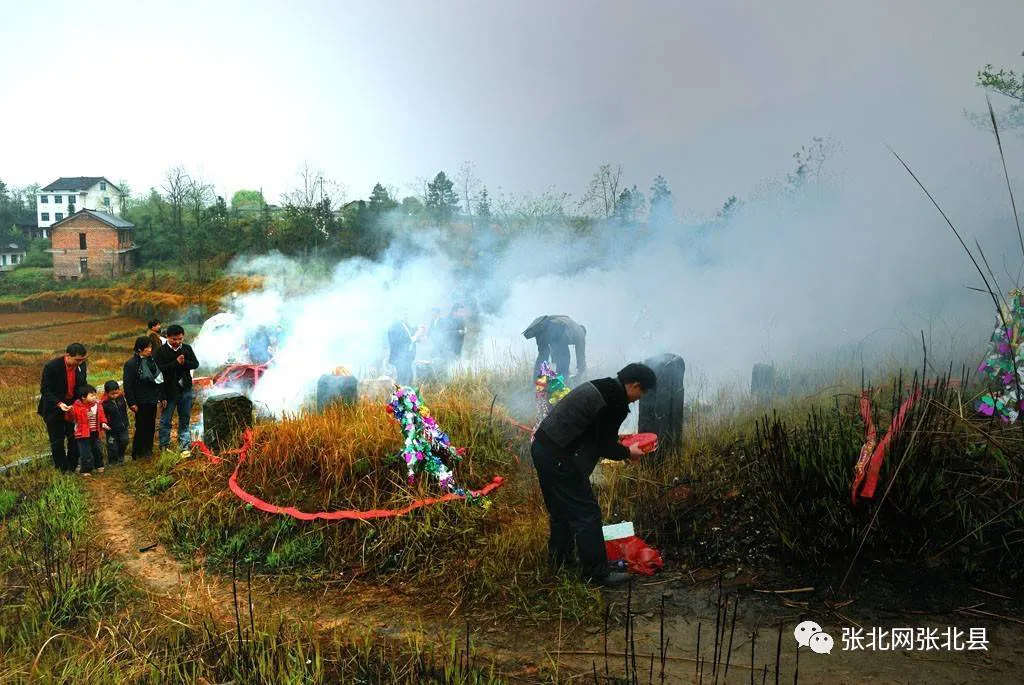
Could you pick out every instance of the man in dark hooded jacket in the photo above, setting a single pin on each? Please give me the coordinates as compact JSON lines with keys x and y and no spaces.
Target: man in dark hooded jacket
{"x":554,"y":334}
{"x":582,"y":428}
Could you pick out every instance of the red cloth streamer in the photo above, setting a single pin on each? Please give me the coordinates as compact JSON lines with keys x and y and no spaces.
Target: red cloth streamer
{"x":869,"y":463}
{"x":351,"y":514}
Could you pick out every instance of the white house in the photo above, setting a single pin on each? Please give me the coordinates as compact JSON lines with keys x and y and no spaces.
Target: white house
{"x":11,"y":255}
{"x":65,"y":196}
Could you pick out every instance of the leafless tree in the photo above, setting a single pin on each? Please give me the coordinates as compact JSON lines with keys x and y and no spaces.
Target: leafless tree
{"x":603,"y":191}
{"x":469,"y":185}
{"x":175,"y":187}
{"x":520,"y":210}
{"x":313,"y":188}
{"x":199,"y":196}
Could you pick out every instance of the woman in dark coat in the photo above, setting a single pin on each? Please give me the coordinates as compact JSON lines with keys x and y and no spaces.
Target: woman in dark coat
{"x":143,"y":391}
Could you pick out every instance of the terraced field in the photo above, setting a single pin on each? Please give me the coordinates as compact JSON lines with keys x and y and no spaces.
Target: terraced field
{"x":50,"y":332}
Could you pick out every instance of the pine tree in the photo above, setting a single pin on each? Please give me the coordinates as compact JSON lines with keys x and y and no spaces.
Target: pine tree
{"x":442,"y":201}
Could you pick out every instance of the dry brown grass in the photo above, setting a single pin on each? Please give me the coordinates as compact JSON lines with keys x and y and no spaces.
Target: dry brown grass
{"x":349,"y":454}
{"x":136,"y":299}
{"x":488,"y":557}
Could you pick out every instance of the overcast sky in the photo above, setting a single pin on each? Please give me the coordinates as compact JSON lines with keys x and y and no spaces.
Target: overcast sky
{"x":714,"y":95}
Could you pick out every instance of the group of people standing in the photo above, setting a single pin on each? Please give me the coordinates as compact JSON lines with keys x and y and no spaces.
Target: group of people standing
{"x":79,"y":420}
{"x":442,"y":335}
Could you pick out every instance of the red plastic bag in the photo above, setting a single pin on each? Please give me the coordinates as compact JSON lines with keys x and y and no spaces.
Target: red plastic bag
{"x":640,"y":558}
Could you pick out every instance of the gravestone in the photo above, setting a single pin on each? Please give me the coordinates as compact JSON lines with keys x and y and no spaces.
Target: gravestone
{"x":661,"y":409}
{"x":225,"y":417}
{"x":426,"y":372}
{"x":762,"y":382}
{"x":333,"y":388}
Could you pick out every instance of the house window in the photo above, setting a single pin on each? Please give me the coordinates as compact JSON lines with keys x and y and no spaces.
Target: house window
{"x":83,"y":266}
{"x":58,"y":199}
{"x":3,"y":260}
{"x":46,"y":216}
{"x":81,"y":241}
{"x":58,"y":216}
{"x":106,"y":202}
{"x":44,"y":199}
{"x":71,"y":208}
{"x":103,"y":185}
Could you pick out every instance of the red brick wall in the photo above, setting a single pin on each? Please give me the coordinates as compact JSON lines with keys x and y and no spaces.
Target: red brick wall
{"x":99,"y":237}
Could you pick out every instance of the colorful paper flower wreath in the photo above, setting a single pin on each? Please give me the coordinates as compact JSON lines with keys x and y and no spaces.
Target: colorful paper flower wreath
{"x":550,"y":388}
{"x":1004,"y":366}
{"x":426,"y":445}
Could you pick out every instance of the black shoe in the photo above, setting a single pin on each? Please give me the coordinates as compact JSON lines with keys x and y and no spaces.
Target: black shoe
{"x":612,"y":579}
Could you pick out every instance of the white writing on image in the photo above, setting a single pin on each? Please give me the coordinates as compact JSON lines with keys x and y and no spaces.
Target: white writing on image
{"x":914,"y":639}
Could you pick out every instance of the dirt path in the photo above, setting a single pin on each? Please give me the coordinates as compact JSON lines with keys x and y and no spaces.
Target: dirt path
{"x":690,"y":606}
{"x":354,"y":608}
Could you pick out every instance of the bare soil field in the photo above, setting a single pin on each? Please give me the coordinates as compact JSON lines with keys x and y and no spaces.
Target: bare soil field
{"x":9,"y":321}
{"x":55,"y":337}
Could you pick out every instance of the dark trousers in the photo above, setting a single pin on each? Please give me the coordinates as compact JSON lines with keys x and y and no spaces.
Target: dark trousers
{"x":573,"y":513}
{"x":145,"y":429}
{"x":117,"y":445}
{"x":559,"y":354}
{"x":62,"y":443}
{"x":90,"y":452}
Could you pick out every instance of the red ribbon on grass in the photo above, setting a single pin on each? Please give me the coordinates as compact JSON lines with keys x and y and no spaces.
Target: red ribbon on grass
{"x":869,"y":463}
{"x":350,"y":514}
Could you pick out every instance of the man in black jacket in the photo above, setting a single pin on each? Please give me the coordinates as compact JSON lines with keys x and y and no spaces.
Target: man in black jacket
{"x":582,"y":428}
{"x":176,"y":361}
{"x":554,"y":334}
{"x":451,"y":333}
{"x":61,"y":376}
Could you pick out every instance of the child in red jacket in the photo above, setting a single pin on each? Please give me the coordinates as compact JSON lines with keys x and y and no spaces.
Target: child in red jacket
{"x":90,"y":420}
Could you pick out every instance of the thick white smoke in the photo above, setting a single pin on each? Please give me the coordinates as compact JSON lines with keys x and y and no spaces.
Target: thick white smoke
{"x":342,"y":323}
{"x":850,"y":267}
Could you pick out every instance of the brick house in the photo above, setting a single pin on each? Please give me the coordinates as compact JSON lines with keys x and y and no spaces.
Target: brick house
{"x":92,"y":243}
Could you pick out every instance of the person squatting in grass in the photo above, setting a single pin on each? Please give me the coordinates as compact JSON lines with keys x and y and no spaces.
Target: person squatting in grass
{"x":582,"y":428}
{"x":176,"y":361}
{"x":89,"y":421}
{"x":143,"y":391}
{"x":60,"y":379}
{"x":116,"y":409}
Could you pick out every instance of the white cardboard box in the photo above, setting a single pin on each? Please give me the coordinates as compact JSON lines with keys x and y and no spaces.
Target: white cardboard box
{"x":617,"y":531}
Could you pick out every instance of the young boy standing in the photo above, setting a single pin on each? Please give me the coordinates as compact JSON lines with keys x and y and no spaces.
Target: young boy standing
{"x":89,"y":418}
{"x":116,"y":410}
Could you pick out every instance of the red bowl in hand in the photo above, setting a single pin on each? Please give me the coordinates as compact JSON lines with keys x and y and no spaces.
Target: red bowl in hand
{"x":647,"y":442}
